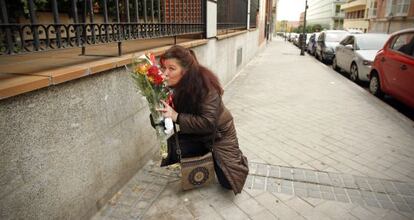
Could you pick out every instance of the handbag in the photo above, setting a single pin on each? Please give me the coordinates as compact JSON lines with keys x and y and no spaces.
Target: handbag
{"x":197,"y":171}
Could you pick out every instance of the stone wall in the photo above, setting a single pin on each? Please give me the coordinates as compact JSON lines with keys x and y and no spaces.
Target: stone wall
{"x":66,"y":149}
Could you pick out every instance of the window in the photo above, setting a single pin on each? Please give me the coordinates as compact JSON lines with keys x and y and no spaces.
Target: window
{"x":404,"y":43}
{"x":344,"y":41}
{"x":337,"y":9}
{"x":402,"y":7}
{"x":397,"y":7}
{"x":373,"y":9}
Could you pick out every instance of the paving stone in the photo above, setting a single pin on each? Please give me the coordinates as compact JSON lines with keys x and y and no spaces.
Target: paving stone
{"x":323,"y":178}
{"x":262,"y":169}
{"x":401,"y":206}
{"x":282,"y":197}
{"x":314,"y":194}
{"x":362,"y":183}
{"x":328,"y":196}
{"x":298,"y":175}
{"x":251,"y":207}
{"x":336,"y":179}
{"x":378,"y":187}
{"x":403,"y":188}
{"x":409,"y":200}
{"x":370,"y":202}
{"x":357,"y":200}
{"x":180,"y":213}
{"x":382,"y":197}
{"x":362,"y":213}
{"x":328,"y":189}
{"x":341,"y":198}
{"x":335,"y":210}
{"x":265,"y":214}
{"x":386,"y":205}
{"x":274,"y":171}
{"x":285,"y":173}
{"x":396,"y":198}
{"x":312,"y":187}
{"x":389,"y":187}
{"x":299,"y":185}
{"x":301,"y":192}
{"x":286,"y":190}
{"x":368,"y":195}
{"x":272,"y":185}
{"x":300,"y":206}
{"x":339,"y":190}
{"x":249,"y":181}
{"x":353,"y":192}
{"x":259,"y":183}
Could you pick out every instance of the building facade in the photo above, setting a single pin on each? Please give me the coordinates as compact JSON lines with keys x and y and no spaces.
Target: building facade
{"x":326,"y":13}
{"x":356,"y":15}
{"x":388,"y":16}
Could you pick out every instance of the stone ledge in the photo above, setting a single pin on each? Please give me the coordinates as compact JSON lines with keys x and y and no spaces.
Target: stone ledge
{"x":224,"y":36}
{"x":15,"y":84}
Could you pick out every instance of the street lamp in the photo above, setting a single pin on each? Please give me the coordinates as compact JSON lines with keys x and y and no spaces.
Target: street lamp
{"x":303,"y":43}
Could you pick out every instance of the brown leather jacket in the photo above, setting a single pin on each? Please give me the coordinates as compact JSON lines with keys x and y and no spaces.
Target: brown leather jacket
{"x":226,"y":147}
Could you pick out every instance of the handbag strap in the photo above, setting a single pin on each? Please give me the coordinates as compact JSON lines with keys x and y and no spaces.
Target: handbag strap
{"x":213,"y":137}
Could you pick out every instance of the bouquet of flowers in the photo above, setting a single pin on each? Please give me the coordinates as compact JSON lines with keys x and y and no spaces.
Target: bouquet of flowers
{"x":152,"y":86}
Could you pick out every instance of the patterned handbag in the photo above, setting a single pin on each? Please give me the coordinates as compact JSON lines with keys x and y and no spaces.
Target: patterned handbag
{"x":197,"y":171}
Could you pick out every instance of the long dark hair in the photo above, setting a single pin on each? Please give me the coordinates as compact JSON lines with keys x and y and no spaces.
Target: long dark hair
{"x":196,"y":82}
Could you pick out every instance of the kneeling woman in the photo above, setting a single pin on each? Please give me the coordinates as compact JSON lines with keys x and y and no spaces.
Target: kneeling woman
{"x":197,"y":108}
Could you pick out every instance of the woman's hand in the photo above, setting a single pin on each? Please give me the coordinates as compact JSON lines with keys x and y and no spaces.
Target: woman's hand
{"x":168,"y":111}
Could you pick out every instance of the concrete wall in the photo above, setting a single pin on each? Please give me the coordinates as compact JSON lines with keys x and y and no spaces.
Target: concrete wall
{"x":66,"y":149}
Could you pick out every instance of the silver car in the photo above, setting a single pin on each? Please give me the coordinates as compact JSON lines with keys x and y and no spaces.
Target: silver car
{"x":355,"y":54}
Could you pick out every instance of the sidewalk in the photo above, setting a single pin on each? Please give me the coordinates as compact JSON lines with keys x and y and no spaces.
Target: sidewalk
{"x":319,"y":147}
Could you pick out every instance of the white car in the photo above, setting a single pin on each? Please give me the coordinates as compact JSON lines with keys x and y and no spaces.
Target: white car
{"x":355,"y":54}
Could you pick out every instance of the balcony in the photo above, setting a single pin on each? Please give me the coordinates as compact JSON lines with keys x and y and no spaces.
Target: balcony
{"x":354,"y":4}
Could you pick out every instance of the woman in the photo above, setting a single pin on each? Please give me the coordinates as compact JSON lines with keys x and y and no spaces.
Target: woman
{"x":197,"y":108}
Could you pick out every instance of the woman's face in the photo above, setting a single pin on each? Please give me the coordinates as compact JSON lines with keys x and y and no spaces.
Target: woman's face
{"x":173,"y":71}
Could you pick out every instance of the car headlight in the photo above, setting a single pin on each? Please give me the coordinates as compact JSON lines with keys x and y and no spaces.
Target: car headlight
{"x":367,"y":62}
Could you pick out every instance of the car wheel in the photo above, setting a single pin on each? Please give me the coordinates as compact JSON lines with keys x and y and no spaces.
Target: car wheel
{"x":354,"y":73}
{"x":335,"y":65}
{"x":375,"y":86}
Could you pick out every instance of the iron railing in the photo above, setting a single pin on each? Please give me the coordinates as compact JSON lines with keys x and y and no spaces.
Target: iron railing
{"x":232,"y":14}
{"x":89,"y":22}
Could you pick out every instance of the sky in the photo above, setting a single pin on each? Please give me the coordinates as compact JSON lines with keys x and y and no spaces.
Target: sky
{"x":290,"y":9}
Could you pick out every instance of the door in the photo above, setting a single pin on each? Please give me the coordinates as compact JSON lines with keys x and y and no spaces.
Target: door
{"x":399,"y":66}
{"x":339,"y":53}
{"x":348,"y":53}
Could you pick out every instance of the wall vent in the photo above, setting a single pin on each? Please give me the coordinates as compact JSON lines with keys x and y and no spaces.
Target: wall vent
{"x":239,"y":56}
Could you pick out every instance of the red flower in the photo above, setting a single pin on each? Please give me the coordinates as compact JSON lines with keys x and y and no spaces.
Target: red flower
{"x":153,"y":70}
{"x":155,"y":76}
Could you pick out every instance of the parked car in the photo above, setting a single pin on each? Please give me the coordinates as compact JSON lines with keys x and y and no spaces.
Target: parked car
{"x":326,"y":43}
{"x":355,"y":54}
{"x":311,"y":46}
{"x":393,"y":68}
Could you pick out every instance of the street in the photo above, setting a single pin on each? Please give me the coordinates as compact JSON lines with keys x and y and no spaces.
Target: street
{"x":319,"y":147}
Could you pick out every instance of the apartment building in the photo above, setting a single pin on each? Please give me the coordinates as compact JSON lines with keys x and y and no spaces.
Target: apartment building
{"x":327,"y":13}
{"x":388,"y":16}
{"x":356,"y":15}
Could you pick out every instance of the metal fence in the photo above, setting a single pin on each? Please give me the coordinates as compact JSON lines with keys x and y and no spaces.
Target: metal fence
{"x":38,"y":25}
{"x":232,"y":14}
